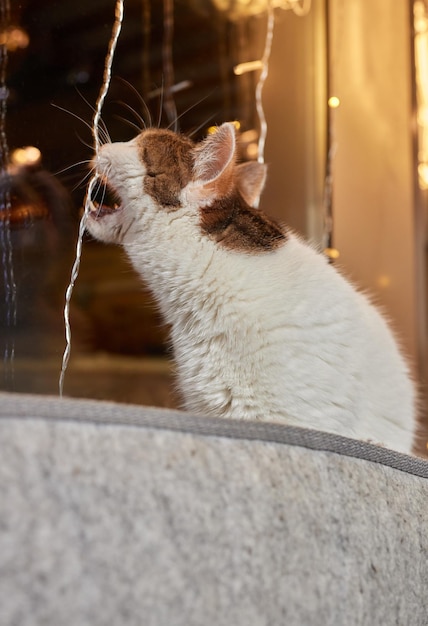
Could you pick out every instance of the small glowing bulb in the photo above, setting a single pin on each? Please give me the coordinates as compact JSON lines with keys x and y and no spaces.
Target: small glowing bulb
{"x":18,"y":156}
{"x":14,"y":38}
{"x":26,"y":156}
{"x":333,"y":102}
{"x":33,"y":155}
{"x":252,"y":150}
{"x":213,"y":129}
{"x":249,"y":66}
{"x":332,"y":253}
{"x":423,"y":115}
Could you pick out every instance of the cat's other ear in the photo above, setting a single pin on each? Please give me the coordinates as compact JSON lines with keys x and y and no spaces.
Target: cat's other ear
{"x":215,"y":159}
{"x":250,"y":179}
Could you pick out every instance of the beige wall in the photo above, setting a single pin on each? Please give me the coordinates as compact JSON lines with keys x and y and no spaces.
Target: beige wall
{"x":375,"y":217}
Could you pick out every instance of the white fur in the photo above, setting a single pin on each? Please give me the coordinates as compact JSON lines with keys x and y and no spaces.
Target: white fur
{"x":278,"y":336}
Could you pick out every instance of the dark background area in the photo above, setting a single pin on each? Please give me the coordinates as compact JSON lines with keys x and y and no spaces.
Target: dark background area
{"x":63,"y":66}
{"x":53,"y":84}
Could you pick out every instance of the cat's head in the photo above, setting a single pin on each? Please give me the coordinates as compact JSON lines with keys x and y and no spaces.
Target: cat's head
{"x":163,"y":173}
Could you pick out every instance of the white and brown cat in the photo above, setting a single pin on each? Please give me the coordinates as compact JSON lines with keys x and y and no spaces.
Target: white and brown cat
{"x":262,"y":326}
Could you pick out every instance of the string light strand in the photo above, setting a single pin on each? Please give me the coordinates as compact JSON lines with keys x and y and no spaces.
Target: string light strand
{"x":168,"y":68}
{"x":5,"y":208}
{"x":299,"y":8}
{"x":117,"y":26}
{"x":261,"y":82}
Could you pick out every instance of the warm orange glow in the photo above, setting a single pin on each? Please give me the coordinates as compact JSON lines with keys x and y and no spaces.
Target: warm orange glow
{"x":421,"y":55}
{"x":332,"y":253}
{"x":333,"y":102}
{"x":252,"y":150}
{"x":423,"y":175}
{"x":384,"y":281}
{"x":13,"y":38}
{"x":250,"y":66}
{"x":213,"y":129}
{"x":26,"y":156}
{"x":245,"y":8}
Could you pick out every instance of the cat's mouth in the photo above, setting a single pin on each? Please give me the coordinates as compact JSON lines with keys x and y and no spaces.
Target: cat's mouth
{"x":105,"y":202}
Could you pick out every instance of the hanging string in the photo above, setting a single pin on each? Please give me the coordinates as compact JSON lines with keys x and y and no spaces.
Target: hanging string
{"x":168,"y":67}
{"x":333,"y":48}
{"x":247,"y":8}
{"x":147,"y":10}
{"x":300,"y":9}
{"x":10,"y":302}
{"x":107,"y":73}
{"x":263,"y":65}
{"x":261,"y":82}
{"x":92,"y":183}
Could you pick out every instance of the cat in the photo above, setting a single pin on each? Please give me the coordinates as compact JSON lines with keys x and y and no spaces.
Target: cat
{"x":262,"y":326}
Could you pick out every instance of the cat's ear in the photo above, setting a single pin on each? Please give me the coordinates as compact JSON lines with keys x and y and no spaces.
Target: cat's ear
{"x":250,"y":179}
{"x":215,"y":158}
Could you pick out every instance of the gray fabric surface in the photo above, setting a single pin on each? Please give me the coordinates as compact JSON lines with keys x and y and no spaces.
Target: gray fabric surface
{"x":26,"y":405}
{"x":171,"y":520}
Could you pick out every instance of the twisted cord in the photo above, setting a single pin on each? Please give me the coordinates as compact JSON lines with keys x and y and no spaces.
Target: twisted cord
{"x":119,"y":9}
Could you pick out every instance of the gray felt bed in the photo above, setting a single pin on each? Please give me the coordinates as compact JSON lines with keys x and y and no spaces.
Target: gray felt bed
{"x":122,"y":515}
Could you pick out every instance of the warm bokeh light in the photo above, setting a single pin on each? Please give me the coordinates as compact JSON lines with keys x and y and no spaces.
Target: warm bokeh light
{"x":249,"y":66}
{"x":420,"y":15}
{"x":332,"y":253}
{"x":30,"y":155}
{"x":213,"y":129}
{"x":333,"y":102}
{"x":423,"y":175}
{"x":13,"y":38}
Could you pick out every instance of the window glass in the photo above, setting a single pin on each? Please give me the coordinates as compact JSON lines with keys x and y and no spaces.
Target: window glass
{"x":51,"y":74}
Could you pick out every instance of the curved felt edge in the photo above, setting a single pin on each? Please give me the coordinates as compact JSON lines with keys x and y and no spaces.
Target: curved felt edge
{"x":28,"y":406}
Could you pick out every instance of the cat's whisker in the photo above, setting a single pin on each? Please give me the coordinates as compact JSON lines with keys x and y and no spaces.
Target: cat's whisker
{"x":84,"y":143}
{"x":129,"y":123}
{"x":103,"y":132}
{"x":70,"y":167}
{"x":102,"y":128}
{"x":190,"y":108}
{"x":77,"y":117}
{"x":160,"y":107}
{"x":193,"y":132}
{"x":84,"y":179}
{"x":140,"y":98}
{"x":137,"y":116}
{"x":102,"y":181}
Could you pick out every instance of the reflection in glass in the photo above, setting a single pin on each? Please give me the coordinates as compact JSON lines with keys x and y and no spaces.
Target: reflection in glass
{"x":52,"y":63}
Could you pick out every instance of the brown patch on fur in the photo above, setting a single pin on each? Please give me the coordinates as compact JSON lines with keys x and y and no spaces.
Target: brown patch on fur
{"x":168,"y":160}
{"x":237,"y":226}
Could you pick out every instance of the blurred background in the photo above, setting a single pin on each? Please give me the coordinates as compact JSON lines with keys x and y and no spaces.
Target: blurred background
{"x":346,"y":107}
